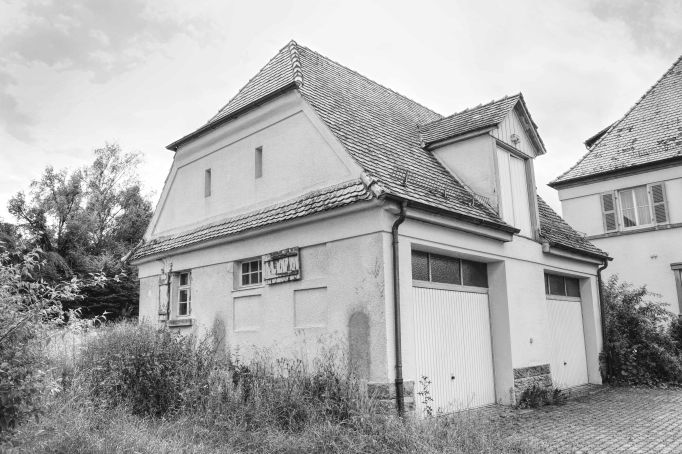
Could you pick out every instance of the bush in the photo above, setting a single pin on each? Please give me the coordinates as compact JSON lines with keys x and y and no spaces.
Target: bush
{"x":640,"y":346}
{"x":28,"y":306}
{"x":157,"y":372}
{"x":538,"y":396}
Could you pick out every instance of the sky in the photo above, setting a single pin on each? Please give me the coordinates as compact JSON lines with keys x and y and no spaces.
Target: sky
{"x":75,"y":75}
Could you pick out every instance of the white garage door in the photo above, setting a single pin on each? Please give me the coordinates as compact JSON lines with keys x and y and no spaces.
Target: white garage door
{"x":568,"y":363}
{"x":453,"y":348}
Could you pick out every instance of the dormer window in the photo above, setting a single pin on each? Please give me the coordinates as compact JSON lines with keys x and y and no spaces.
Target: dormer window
{"x":514,"y":197}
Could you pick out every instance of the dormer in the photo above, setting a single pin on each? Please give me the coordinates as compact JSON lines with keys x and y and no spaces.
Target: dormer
{"x":490,"y":149}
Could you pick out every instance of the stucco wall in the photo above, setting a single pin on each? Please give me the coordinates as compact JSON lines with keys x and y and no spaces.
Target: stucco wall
{"x":472,"y":161}
{"x":342,"y":274}
{"x":645,"y":258}
{"x":298,"y":155}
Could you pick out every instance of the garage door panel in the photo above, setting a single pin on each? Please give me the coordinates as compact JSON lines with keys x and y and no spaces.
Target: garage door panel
{"x":452,"y":334}
{"x":568,"y":362}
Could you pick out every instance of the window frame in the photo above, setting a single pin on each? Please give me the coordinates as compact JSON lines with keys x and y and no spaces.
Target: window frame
{"x":565,"y":296}
{"x":638,"y":225}
{"x":188,"y":288}
{"x":444,"y":285}
{"x":258,"y":272}
{"x":617,"y":195}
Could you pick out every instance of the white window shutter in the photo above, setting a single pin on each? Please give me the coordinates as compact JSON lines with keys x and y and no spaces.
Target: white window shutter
{"x":608,"y":207}
{"x":658,"y":202}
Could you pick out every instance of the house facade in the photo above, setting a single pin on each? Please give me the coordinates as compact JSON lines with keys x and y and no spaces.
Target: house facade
{"x":625,"y":193}
{"x":320,"y":205}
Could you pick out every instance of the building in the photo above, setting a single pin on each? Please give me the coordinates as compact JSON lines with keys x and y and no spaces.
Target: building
{"x":320,"y":203}
{"x":625,"y":193}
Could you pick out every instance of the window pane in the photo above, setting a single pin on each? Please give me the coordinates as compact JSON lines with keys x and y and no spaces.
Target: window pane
{"x":184,"y":296}
{"x":420,"y":266}
{"x":546,"y":284}
{"x":474,"y":273}
{"x":245,"y":267}
{"x":572,"y":287}
{"x":257,"y":278}
{"x":444,"y":269}
{"x":643,"y":210}
{"x":182,"y":309}
{"x":184,"y":278}
{"x":245,"y":279}
{"x":627,"y":203}
{"x":556,"y":285}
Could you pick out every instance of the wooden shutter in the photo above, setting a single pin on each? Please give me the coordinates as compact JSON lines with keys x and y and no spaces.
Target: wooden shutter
{"x":658,"y":206}
{"x":608,"y":207}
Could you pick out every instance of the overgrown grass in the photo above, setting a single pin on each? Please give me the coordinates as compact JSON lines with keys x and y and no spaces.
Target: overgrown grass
{"x":133,"y":388}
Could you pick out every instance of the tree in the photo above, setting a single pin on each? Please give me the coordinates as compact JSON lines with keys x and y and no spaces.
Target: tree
{"x":85,"y":221}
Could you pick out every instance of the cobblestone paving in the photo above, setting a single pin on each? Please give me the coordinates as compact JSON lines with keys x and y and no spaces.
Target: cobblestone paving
{"x":614,"y":420}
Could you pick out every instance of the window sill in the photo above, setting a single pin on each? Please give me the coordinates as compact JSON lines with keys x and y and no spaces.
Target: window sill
{"x":562,"y":298}
{"x":633,"y":230}
{"x":179,"y":322}
{"x":249,"y":291}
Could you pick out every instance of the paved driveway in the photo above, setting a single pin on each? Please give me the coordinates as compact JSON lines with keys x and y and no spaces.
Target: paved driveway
{"x":610,"y":420}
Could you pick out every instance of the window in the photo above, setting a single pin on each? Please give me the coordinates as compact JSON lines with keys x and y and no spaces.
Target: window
{"x":207,"y":183}
{"x":562,"y":285}
{"x":448,"y":270}
{"x":184,"y":294}
{"x":514,"y":195}
{"x":251,"y":273}
{"x":629,"y":208}
{"x":259,"y":162}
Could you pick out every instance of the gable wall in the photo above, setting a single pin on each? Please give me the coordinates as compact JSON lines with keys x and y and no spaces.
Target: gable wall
{"x":512,"y":125}
{"x":299,"y":155}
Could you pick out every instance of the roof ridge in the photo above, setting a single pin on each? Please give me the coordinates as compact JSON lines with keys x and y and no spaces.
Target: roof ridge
{"x":256,"y":75}
{"x":370,"y":80}
{"x":480,"y":106}
{"x":295,"y":63}
{"x":619,"y":121}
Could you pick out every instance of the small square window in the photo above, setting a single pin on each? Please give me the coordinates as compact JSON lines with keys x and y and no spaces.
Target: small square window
{"x":251,"y":273}
{"x":474,"y":274}
{"x":445,"y":270}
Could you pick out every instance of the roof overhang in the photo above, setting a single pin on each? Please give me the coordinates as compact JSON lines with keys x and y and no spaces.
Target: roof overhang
{"x":617,"y":173}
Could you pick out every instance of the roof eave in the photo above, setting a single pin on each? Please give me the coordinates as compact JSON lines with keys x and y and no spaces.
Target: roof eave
{"x":208,"y":127}
{"x":558,"y":184}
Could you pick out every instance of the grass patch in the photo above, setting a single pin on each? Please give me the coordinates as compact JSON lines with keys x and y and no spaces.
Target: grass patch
{"x":131,"y":388}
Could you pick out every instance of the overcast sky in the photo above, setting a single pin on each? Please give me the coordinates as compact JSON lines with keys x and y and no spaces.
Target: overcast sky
{"x":76,"y":74}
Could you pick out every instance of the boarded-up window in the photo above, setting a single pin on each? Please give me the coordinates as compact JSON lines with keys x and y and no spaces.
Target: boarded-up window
{"x":514,"y":191}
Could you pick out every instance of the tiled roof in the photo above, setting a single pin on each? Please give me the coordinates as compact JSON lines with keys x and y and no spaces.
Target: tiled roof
{"x":313,"y":202}
{"x":559,"y":234}
{"x":650,"y":131}
{"x":377,"y":126}
{"x":469,"y":120}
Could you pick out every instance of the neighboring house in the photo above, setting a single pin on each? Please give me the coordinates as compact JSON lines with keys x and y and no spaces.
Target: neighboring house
{"x":625,"y":194}
{"x":317,"y":202}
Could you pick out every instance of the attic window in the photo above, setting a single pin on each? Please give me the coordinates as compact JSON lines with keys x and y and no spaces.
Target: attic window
{"x":259,"y":162}
{"x":207,"y":183}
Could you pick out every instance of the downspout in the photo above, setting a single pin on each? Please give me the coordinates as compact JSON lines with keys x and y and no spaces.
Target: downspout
{"x":399,"y":392}
{"x":607,"y":359}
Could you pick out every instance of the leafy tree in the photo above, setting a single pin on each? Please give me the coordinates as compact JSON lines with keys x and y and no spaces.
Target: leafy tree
{"x":85,"y":221}
{"x":639,"y":343}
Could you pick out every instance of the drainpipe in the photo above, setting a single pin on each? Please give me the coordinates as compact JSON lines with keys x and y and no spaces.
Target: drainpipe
{"x":602,"y":317}
{"x":399,"y":394}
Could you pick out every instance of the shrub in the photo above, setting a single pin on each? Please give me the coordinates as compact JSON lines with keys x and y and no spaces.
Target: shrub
{"x":538,"y":396}
{"x":639,"y":347}
{"x":157,"y":372}
{"x":29,"y":307}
